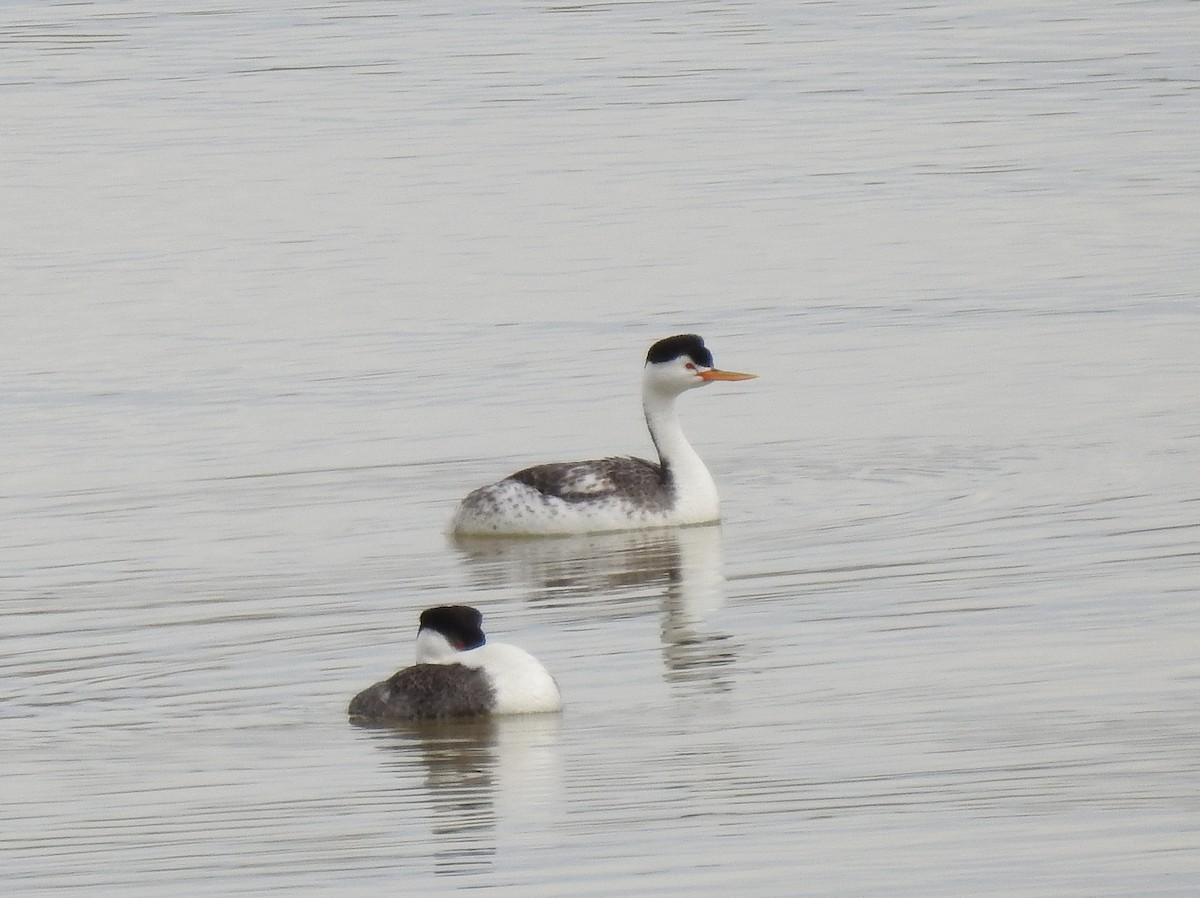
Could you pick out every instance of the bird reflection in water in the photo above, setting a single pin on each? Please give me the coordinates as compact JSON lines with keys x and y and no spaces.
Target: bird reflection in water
{"x":609,"y":576}
{"x":480,"y":775}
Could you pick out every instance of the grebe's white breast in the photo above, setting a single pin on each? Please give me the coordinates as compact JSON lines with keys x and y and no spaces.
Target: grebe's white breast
{"x":459,"y":674}
{"x":614,"y":493}
{"x":520,"y":683}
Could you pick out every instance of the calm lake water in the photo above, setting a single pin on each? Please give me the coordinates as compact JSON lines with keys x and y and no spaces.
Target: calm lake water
{"x":281,"y":284}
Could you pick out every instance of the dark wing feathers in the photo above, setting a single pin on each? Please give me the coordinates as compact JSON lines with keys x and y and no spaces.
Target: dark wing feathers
{"x":424,"y":691}
{"x":589,"y":480}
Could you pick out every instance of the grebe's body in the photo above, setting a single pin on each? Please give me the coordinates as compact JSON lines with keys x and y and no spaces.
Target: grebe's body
{"x":614,"y":493}
{"x":459,"y":674}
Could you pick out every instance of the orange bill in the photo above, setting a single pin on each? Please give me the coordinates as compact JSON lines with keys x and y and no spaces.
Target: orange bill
{"x":718,"y":374}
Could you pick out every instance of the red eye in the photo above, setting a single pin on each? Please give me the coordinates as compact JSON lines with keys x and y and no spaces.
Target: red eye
{"x":690,"y":366}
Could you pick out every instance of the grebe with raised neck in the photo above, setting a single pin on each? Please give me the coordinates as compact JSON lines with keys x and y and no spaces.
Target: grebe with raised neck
{"x":622,"y":493}
{"x":459,"y":674}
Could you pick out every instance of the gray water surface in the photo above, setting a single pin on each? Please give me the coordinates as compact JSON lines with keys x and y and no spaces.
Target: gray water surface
{"x":281,"y":284}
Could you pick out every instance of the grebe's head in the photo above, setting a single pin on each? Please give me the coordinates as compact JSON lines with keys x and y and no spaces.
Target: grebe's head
{"x":447,"y":629}
{"x":683,"y":362}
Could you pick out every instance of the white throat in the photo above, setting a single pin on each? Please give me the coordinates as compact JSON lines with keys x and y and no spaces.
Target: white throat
{"x":696,"y":499}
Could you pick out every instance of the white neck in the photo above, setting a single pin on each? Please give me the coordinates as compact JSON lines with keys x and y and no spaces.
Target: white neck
{"x":696,"y":498}
{"x":433,"y":647}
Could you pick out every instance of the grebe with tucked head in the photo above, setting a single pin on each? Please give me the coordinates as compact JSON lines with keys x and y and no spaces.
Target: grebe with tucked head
{"x":614,"y":493}
{"x":459,"y":674}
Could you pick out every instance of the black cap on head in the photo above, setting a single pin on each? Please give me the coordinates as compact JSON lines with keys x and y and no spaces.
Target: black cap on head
{"x":683,"y":344}
{"x":460,"y":624}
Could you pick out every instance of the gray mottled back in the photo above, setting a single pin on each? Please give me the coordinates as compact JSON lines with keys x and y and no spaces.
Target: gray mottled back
{"x":425,"y":691}
{"x":641,"y":481}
